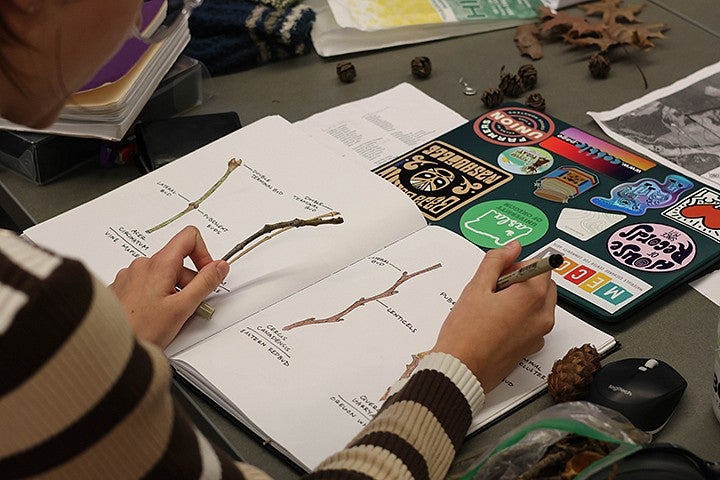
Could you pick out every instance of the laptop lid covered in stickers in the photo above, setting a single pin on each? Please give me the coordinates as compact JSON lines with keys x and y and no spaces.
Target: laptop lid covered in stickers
{"x":628,"y":228}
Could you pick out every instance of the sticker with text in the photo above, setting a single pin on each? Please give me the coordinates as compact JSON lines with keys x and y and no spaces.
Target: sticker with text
{"x":593,"y":279}
{"x":636,"y":197}
{"x":525,"y":160}
{"x":585,"y":224}
{"x":498,"y":222}
{"x":564,"y":183}
{"x":596,"y":154}
{"x":699,"y":211}
{"x":441,"y":178}
{"x":514,"y":126}
{"x":652,"y":247}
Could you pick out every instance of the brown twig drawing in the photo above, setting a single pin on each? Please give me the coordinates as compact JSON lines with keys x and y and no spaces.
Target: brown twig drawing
{"x":273,"y":229}
{"x":232,"y":165}
{"x":338,"y":317}
{"x":409,"y":369}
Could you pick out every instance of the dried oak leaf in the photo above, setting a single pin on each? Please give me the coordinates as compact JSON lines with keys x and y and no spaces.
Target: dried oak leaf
{"x":611,"y":10}
{"x":527,"y":40}
{"x":562,"y":23}
{"x":643,"y":34}
{"x":619,"y":26}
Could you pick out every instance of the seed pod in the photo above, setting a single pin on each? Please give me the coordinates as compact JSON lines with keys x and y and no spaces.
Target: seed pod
{"x":570,"y":377}
{"x":346,"y":72}
{"x":528,"y":74}
{"x":511,"y":85}
{"x":535,"y":101}
{"x":492,"y":97}
{"x":599,"y":66}
{"x":421,"y":67}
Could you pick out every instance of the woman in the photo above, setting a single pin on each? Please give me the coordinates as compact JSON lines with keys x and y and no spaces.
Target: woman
{"x":84,"y":387}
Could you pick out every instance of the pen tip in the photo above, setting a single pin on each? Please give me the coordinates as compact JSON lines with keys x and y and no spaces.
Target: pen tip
{"x":556,"y":260}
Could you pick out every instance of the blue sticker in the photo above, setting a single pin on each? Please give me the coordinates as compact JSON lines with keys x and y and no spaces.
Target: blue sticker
{"x":636,"y":197}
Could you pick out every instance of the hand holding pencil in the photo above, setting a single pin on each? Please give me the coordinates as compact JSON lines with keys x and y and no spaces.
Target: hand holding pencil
{"x":491,"y":329}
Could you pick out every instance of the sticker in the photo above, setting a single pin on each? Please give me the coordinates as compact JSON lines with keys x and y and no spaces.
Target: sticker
{"x":699,"y":211}
{"x":652,"y":247}
{"x":596,"y":154}
{"x":593,"y":279}
{"x":585,"y":224}
{"x":441,"y":178}
{"x":636,"y":197}
{"x":525,"y":160}
{"x":496,"y":223}
{"x":514,"y":126}
{"x":564,"y":183}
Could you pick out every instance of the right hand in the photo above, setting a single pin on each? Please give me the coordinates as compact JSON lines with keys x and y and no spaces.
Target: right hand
{"x":490,"y":331}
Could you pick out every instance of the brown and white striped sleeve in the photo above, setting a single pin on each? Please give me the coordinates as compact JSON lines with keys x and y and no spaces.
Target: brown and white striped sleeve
{"x":418,"y":430}
{"x":81,"y":398}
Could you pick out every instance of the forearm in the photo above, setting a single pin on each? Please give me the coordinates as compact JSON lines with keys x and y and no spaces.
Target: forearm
{"x":418,"y":430}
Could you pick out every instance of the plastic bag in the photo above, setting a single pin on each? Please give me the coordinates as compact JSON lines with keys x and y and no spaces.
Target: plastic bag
{"x":525,"y":446}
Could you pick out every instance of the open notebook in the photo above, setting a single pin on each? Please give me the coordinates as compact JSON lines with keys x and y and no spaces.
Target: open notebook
{"x":383,"y":279}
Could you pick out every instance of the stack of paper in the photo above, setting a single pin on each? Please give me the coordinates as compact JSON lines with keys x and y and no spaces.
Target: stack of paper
{"x":107,"y":106}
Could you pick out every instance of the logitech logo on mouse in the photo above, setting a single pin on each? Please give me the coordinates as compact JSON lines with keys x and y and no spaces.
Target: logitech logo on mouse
{"x":624,"y":391}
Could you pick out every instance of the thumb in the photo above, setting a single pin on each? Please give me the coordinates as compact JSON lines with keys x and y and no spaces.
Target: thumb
{"x":206,"y":281}
{"x":495,"y":263}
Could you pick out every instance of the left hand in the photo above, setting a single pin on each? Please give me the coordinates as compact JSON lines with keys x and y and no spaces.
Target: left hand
{"x":146,"y":289}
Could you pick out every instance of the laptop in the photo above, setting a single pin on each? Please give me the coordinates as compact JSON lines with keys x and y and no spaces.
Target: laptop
{"x":629,"y":228}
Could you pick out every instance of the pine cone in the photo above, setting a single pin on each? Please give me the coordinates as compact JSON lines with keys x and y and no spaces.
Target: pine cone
{"x":599,"y":66}
{"x":511,"y":85}
{"x":346,"y":72}
{"x":421,"y":67}
{"x":571,"y":376}
{"x":536,"y":101}
{"x":528,"y":75}
{"x":492,"y":97}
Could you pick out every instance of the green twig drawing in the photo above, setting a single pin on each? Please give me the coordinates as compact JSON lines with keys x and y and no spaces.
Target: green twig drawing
{"x":232,"y":165}
{"x":274,"y":229}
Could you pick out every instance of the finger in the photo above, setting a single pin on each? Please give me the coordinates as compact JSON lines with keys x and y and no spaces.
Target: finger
{"x":205,"y":282}
{"x":495,"y":263}
{"x":187,"y":242}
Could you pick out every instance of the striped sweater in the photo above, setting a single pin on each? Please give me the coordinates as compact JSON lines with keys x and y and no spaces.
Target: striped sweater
{"x":80,"y":397}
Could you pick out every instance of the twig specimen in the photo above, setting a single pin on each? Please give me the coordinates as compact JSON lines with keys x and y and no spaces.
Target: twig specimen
{"x":232,"y":165}
{"x":273,"y":229}
{"x":338,"y":317}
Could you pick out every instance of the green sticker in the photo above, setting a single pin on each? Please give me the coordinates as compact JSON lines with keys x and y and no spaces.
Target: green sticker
{"x":525,"y":160}
{"x":498,"y":222}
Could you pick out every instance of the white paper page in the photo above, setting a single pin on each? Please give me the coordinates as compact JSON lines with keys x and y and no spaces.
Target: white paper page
{"x":284,"y":175}
{"x":377,"y":129}
{"x":678,"y":126}
{"x":709,"y":286}
{"x":327,"y":380}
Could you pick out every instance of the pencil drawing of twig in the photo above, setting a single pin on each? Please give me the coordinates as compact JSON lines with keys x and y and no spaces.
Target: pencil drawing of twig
{"x":232,"y":165}
{"x":409,"y":369}
{"x":338,"y":317}
{"x":274,"y":229}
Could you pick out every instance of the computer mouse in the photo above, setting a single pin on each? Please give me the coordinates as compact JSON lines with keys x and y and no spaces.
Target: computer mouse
{"x":646,"y":391}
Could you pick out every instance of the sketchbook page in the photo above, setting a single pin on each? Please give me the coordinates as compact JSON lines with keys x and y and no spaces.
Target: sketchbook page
{"x":379,"y":128}
{"x":322,"y":360}
{"x":283,"y":175}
